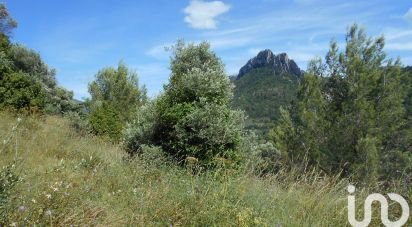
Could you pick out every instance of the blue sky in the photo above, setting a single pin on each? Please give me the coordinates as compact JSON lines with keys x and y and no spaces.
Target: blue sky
{"x":78,"y":38}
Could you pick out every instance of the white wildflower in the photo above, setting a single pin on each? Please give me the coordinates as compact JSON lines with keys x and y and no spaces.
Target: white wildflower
{"x":48,"y":212}
{"x":48,"y":196}
{"x":22,"y":208}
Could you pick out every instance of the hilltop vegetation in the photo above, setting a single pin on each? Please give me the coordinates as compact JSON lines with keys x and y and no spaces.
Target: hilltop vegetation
{"x":185,"y":158}
{"x":260,"y":93}
{"x":350,"y":115}
{"x":26,"y":82}
{"x":406,"y":81}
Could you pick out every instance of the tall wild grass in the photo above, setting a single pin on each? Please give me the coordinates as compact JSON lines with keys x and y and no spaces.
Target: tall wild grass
{"x":53,"y":176}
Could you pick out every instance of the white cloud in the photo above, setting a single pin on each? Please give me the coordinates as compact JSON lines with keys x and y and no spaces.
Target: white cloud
{"x":408,"y":15}
{"x":202,"y":15}
{"x":230,"y":42}
{"x":403,"y":46}
{"x":156,"y":50}
{"x":159,"y":51}
{"x":397,"y":34}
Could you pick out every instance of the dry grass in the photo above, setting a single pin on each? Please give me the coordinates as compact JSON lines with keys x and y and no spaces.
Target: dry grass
{"x":66,"y":180}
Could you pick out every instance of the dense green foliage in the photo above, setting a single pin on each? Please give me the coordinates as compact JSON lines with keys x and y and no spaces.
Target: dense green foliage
{"x":26,"y":82}
{"x":115,"y":95}
{"x":350,"y":116}
{"x":193,"y":117}
{"x":57,"y":99}
{"x":105,"y":120}
{"x":407,"y":82}
{"x":19,"y":91}
{"x":260,"y":93}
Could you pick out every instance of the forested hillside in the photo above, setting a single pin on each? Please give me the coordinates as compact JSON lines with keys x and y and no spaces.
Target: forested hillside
{"x":260,"y":93}
{"x":263,"y":85}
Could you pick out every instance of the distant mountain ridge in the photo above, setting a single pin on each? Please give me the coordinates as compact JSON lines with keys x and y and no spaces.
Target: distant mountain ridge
{"x":280,"y":63}
{"x":264,"y":84}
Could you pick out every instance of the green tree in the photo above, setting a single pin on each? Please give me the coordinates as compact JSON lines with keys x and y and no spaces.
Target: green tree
{"x":193,"y":117}
{"x":7,"y":23}
{"x":57,"y":99}
{"x":350,"y":111}
{"x":18,"y":91}
{"x":105,"y":121}
{"x":407,"y":82}
{"x":21,"y":66}
{"x":30,"y":62}
{"x":115,"y":95}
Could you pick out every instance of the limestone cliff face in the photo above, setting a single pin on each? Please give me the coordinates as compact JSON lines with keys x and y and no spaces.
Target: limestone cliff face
{"x":278,"y":63}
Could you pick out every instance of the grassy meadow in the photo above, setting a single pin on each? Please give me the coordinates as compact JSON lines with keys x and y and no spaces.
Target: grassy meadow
{"x":64,"y":178}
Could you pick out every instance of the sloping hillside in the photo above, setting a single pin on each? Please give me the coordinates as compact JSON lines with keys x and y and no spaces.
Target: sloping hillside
{"x":64,"y":179}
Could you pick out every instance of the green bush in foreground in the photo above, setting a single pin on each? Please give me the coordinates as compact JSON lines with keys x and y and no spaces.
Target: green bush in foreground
{"x":193,"y":117}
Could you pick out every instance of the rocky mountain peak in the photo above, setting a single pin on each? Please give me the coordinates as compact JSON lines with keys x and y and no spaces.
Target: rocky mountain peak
{"x":279,"y":63}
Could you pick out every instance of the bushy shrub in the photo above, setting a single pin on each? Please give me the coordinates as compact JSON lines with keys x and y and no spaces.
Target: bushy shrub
{"x":269,"y":159}
{"x":140,"y":130}
{"x":192,"y":118}
{"x":104,"y":120}
{"x":78,"y":122}
{"x":208,"y":131}
{"x":19,"y":91}
{"x":153,"y":156}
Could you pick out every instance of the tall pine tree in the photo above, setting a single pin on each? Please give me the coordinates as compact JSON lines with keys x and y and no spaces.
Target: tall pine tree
{"x":350,"y":113}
